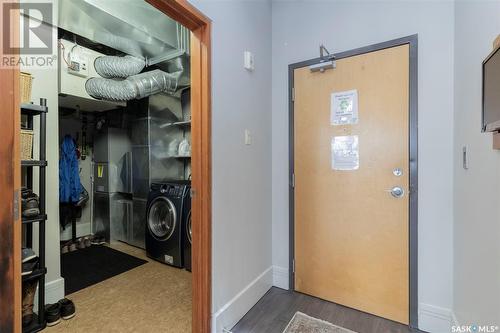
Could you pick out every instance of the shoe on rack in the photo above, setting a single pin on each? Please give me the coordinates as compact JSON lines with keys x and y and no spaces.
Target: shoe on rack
{"x":29,"y":289}
{"x":53,"y":314}
{"x":68,"y":310}
{"x":27,"y":254}
{"x":29,"y":203}
{"x":29,"y":266}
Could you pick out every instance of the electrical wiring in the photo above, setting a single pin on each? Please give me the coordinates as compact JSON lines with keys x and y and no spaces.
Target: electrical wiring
{"x":63,"y":55}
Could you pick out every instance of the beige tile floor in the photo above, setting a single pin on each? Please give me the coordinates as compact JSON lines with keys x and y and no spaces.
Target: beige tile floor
{"x":149,"y":298}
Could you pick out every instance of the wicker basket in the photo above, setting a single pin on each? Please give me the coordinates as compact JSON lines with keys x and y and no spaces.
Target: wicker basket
{"x":26,"y":81}
{"x":26,"y":144}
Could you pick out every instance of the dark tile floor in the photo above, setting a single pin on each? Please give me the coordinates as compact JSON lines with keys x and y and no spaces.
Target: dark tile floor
{"x":273,"y":312}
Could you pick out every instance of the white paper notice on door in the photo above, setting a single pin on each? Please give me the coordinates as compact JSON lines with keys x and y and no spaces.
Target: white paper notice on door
{"x":345,"y":152}
{"x":344,"y":108}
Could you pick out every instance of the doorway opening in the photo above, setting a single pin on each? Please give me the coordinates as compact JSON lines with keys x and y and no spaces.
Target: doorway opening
{"x":142,"y":128}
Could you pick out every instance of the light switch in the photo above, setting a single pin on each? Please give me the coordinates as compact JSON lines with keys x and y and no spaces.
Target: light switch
{"x":248,"y":62}
{"x":465,"y":158}
{"x":248,"y":137}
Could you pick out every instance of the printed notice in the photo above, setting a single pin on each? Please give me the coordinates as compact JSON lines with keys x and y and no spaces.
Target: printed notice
{"x":345,"y":152}
{"x":344,"y":108}
{"x":100,"y":169}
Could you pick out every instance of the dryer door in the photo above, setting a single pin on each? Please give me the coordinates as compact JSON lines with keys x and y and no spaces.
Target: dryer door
{"x":162,"y":218}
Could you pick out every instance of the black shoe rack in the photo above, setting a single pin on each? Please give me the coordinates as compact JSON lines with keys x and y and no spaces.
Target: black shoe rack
{"x":31,"y":111}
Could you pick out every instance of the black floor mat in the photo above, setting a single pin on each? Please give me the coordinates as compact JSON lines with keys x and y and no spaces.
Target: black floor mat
{"x":83,"y":268}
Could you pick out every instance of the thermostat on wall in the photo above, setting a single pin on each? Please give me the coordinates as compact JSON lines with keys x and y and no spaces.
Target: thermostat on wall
{"x":78,"y":65}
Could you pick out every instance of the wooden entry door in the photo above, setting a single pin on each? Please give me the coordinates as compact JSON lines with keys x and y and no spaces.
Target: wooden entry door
{"x":351,"y":232}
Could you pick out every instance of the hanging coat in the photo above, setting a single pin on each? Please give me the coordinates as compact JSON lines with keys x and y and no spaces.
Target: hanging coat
{"x":69,"y":178}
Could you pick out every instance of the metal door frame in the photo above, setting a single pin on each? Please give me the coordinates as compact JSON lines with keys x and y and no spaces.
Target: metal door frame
{"x":412,"y":41}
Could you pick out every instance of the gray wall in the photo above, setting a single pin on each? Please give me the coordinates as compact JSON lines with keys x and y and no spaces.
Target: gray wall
{"x":298,"y":29}
{"x":477,"y":190}
{"x":241,"y":174}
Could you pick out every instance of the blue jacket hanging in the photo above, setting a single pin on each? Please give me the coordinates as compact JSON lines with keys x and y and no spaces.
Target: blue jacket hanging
{"x":69,"y":177}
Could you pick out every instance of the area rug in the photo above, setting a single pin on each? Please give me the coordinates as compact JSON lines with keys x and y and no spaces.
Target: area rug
{"x":83,"y":268}
{"x":302,"y":323}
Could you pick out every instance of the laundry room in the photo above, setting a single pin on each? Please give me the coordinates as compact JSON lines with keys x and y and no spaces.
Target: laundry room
{"x":112,"y":122}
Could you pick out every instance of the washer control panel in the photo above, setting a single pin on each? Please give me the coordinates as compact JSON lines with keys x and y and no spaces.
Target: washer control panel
{"x":172,"y":190}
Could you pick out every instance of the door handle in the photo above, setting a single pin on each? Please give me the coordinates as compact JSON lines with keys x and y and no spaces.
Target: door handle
{"x":397,"y":191}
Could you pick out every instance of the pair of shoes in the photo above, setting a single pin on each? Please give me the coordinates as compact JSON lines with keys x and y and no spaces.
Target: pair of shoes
{"x":29,"y":261}
{"x":98,"y":240}
{"x":64,"y":309}
{"x":83,"y":242}
{"x":68,"y":247}
{"x":29,"y":203}
{"x":29,"y":289}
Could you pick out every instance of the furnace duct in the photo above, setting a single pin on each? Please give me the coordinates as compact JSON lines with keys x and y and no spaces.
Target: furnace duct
{"x":118,"y":67}
{"x":136,"y":86}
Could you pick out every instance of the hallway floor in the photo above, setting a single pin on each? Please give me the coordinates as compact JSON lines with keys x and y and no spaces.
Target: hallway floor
{"x":149,"y":298}
{"x":273,"y":312}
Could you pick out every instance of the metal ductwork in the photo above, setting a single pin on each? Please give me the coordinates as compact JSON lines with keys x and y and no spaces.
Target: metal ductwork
{"x":133,"y":27}
{"x":118,"y":67}
{"x":180,"y":66}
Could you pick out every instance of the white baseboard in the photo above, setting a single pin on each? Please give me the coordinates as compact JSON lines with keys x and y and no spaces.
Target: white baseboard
{"x":434,"y":319}
{"x":54,"y":291}
{"x":280,"y":277}
{"x":229,"y":315}
{"x":454,"y":320}
{"x":431,"y":318}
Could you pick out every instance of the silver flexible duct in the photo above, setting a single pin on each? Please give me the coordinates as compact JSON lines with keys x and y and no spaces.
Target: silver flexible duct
{"x":134,"y":87}
{"x":118,"y":67}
